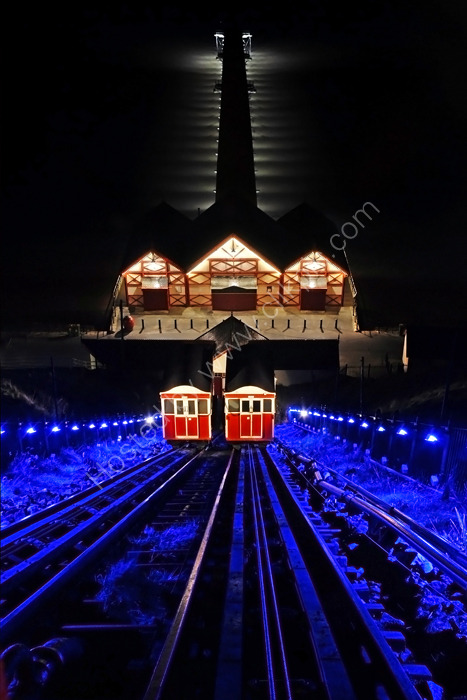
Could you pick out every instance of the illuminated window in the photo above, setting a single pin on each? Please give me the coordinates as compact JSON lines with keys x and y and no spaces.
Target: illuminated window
{"x":155,"y":282}
{"x":203,"y":407}
{"x":314,"y":282}
{"x":169,"y":407}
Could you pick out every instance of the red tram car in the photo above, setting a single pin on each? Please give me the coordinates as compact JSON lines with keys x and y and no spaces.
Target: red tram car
{"x":185,"y":393}
{"x":249,"y":414}
{"x":249,"y":398}
{"x":186,"y":414}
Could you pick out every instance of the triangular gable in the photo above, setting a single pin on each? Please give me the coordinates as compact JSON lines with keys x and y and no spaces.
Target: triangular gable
{"x":312,"y":263}
{"x":231,"y":334}
{"x":232,"y":248}
{"x":152,"y":263}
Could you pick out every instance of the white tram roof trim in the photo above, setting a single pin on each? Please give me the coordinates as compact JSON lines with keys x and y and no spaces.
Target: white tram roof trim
{"x":249,"y":390}
{"x":185,"y":389}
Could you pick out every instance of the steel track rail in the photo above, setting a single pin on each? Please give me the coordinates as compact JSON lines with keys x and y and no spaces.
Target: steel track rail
{"x":422,"y":545}
{"x":162,"y":668}
{"x":272,"y":628}
{"x":381,"y":659}
{"x":28,"y":525}
{"x":78,"y":521}
{"x":22,"y":613}
{"x":449,"y":558}
{"x":335,"y":683}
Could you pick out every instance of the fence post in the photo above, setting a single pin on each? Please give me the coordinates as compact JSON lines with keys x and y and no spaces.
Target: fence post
{"x":362,"y":369}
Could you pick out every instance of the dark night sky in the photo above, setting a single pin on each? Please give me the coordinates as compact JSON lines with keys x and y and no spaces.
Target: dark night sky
{"x":107,"y":110}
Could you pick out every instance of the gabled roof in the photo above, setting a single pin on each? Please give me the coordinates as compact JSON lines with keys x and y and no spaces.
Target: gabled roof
{"x":222,"y":242}
{"x":310,"y":230}
{"x":231,"y":335}
{"x":233,"y":215}
{"x":163,"y":230}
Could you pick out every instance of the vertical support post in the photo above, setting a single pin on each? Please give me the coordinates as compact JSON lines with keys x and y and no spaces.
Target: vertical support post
{"x":362,"y":370}
{"x":160,"y":326}
{"x":46,"y":437}
{"x":20,"y":437}
{"x":54,"y":387}
{"x":122,"y":353}
{"x":444,"y":456}
{"x":121,"y":318}
{"x":413,"y":445}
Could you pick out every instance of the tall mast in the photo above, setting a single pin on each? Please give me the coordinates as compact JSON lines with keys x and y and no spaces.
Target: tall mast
{"x":235,"y":162}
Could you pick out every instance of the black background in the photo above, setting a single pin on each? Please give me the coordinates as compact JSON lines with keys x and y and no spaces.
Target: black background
{"x":107,"y":109}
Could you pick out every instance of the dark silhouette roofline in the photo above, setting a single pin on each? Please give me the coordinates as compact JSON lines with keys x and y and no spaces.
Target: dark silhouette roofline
{"x":231,"y":334}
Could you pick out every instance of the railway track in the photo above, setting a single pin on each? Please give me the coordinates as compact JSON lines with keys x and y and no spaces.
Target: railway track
{"x":41,"y":554}
{"x":416,"y":577}
{"x":287,"y":621}
{"x":450,"y":560}
{"x":255,"y":596}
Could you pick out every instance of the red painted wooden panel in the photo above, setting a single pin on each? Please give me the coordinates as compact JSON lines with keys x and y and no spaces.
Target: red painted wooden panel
{"x":232,"y":424}
{"x":156,"y":299}
{"x":242,"y":301}
{"x":245,"y":425}
{"x":204,"y":427}
{"x":313,"y":299}
{"x":268,"y":426}
{"x":168,"y":427}
{"x":256,"y":425}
